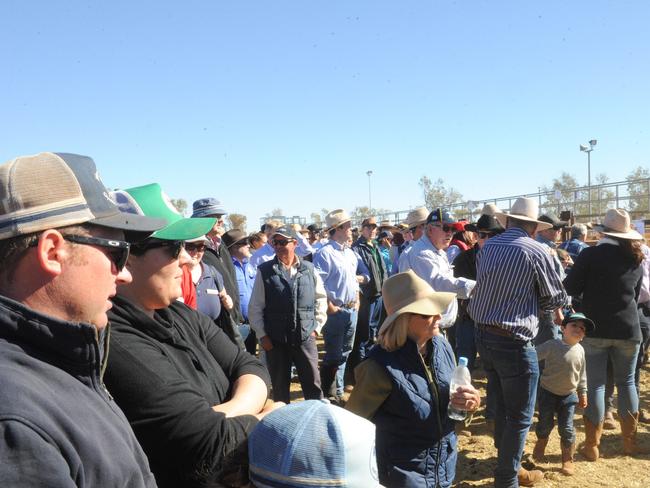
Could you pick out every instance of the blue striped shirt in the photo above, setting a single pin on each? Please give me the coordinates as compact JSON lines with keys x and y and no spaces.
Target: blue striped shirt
{"x":515,"y":280}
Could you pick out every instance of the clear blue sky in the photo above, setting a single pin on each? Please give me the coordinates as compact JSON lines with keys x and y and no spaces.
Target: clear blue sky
{"x":269,"y":104}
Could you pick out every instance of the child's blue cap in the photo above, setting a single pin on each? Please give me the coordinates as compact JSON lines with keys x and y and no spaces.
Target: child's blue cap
{"x":574,"y":317}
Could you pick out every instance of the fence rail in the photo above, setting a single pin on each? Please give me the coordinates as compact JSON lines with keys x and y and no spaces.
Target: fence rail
{"x":585,"y":205}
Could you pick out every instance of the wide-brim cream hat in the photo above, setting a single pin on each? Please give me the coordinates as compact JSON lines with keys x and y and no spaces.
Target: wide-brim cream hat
{"x":617,"y":224}
{"x":525,"y":209}
{"x":408,"y":293}
{"x":417,"y":216}
{"x":336,"y":218}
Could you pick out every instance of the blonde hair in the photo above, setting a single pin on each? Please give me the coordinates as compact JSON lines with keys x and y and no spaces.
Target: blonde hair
{"x":394,"y":336}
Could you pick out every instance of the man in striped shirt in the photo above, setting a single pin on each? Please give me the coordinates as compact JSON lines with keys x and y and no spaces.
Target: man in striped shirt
{"x":515,"y":281}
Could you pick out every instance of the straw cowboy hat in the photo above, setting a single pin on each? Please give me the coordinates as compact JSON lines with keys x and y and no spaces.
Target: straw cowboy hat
{"x":490,"y":209}
{"x":336,"y":218}
{"x":525,"y":209}
{"x":416,"y":216}
{"x":617,"y":224}
{"x":408,"y":293}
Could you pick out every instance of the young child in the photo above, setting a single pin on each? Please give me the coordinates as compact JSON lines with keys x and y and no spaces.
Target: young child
{"x":564,"y":373}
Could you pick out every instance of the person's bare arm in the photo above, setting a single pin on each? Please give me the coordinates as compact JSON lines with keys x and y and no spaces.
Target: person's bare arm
{"x":248,"y":397}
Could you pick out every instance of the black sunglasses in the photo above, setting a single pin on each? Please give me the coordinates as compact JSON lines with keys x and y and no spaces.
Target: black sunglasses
{"x":117,"y":251}
{"x":194,"y":246}
{"x":445,"y":227}
{"x":173,"y":247}
{"x":281,"y":242}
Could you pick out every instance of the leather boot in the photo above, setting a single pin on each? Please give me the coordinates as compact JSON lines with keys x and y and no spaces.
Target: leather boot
{"x":529,"y":478}
{"x":540,"y":447}
{"x":567,"y":459}
{"x":593,"y":434}
{"x":629,"y":424}
{"x":609,"y":422}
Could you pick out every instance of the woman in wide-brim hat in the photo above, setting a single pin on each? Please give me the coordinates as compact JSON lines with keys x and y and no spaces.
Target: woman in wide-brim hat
{"x":608,"y":276}
{"x":416,"y":440}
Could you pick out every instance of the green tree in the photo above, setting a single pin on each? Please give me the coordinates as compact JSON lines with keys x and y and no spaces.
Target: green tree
{"x":237,"y":221}
{"x":436,"y":194}
{"x":315,"y":218}
{"x":276,"y":212}
{"x":180,"y":204}
{"x":638,"y":189}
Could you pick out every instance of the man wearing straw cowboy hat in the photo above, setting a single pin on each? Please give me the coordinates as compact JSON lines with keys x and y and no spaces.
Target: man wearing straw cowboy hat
{"x":341,"y":270}
{"x":415,"y":220}
{"x":515,"y":280}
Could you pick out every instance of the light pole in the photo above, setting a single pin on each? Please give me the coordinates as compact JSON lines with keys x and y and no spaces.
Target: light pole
{"x":369,"y":173}
{"x":588,"y":150}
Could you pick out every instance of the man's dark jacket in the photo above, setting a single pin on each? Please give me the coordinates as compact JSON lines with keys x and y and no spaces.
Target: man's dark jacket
{"x":375,"y":263}
{"x":220,"y":258}
{"x":167,"y":372}
{"x":58,"y":424}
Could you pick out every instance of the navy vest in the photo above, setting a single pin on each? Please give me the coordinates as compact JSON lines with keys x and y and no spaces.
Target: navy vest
{"x":289,"y":307}
{"x":416,"y":442}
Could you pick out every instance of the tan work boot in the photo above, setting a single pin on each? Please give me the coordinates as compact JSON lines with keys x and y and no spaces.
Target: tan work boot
{"x":567,"y":459}
{"x":629,"y":424}
{"x":540,"y":447}
{"x":609,"y":423}
{"x":593,"y":433}
{"x":529,"y":478}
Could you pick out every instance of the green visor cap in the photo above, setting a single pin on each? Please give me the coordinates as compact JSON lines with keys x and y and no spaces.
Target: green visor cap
{"x":151,"y":200}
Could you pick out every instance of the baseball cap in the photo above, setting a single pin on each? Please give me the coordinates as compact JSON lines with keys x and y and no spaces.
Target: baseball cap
{"x":50,"y":190}
{"x":577,"y":316}
{"x":313,"y":444}
{"x":151,"y":200}
{"x":441,"y":215}
{"x":287,"y":232}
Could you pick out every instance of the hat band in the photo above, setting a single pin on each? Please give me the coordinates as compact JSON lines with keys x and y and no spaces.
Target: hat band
{"x":12,"y":221}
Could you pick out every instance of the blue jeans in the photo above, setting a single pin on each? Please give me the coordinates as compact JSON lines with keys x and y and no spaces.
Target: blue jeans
{"x":465,"y":344}
{"x":623,"y":355}
{"x":512,"y":372}
{"x":548,"y":405}
{"x":338,"y":338}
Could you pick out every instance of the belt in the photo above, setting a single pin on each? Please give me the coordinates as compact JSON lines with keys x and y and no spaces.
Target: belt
{"x":493,"y":329}
{"x":349,"y":305}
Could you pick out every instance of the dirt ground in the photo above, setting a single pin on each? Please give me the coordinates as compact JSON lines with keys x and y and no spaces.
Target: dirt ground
{"x":477,"y":455}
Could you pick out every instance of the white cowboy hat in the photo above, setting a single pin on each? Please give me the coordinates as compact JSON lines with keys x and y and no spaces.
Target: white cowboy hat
{"x":490,"y":209}
{"x":336,"y":218}
{"x":416,"y":216}
{"x":525,"y":209}
{"x":617,"y":224}
{"x":408,"y":293}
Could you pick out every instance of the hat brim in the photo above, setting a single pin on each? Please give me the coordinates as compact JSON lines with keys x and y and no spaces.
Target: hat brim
{"x":185,"y":229}
{"x":135,"y":227}
{"x":589,"y":324}
{"x":502,"y":217}
{"x":243,"y":239}
{"x":631,"y":234}
{"x":434,"y":303}
{"x":339,"y":224}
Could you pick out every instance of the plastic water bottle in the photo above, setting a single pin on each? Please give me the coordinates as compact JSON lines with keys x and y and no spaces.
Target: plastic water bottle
{"x":460,"y":377}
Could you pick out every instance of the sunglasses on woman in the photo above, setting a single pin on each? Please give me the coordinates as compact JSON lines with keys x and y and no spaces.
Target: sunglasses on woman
{"x":194,"y":246}
{"x":173,"y":248}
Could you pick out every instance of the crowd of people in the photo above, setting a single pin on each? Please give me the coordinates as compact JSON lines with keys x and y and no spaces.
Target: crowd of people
{"x":139,"y":347}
